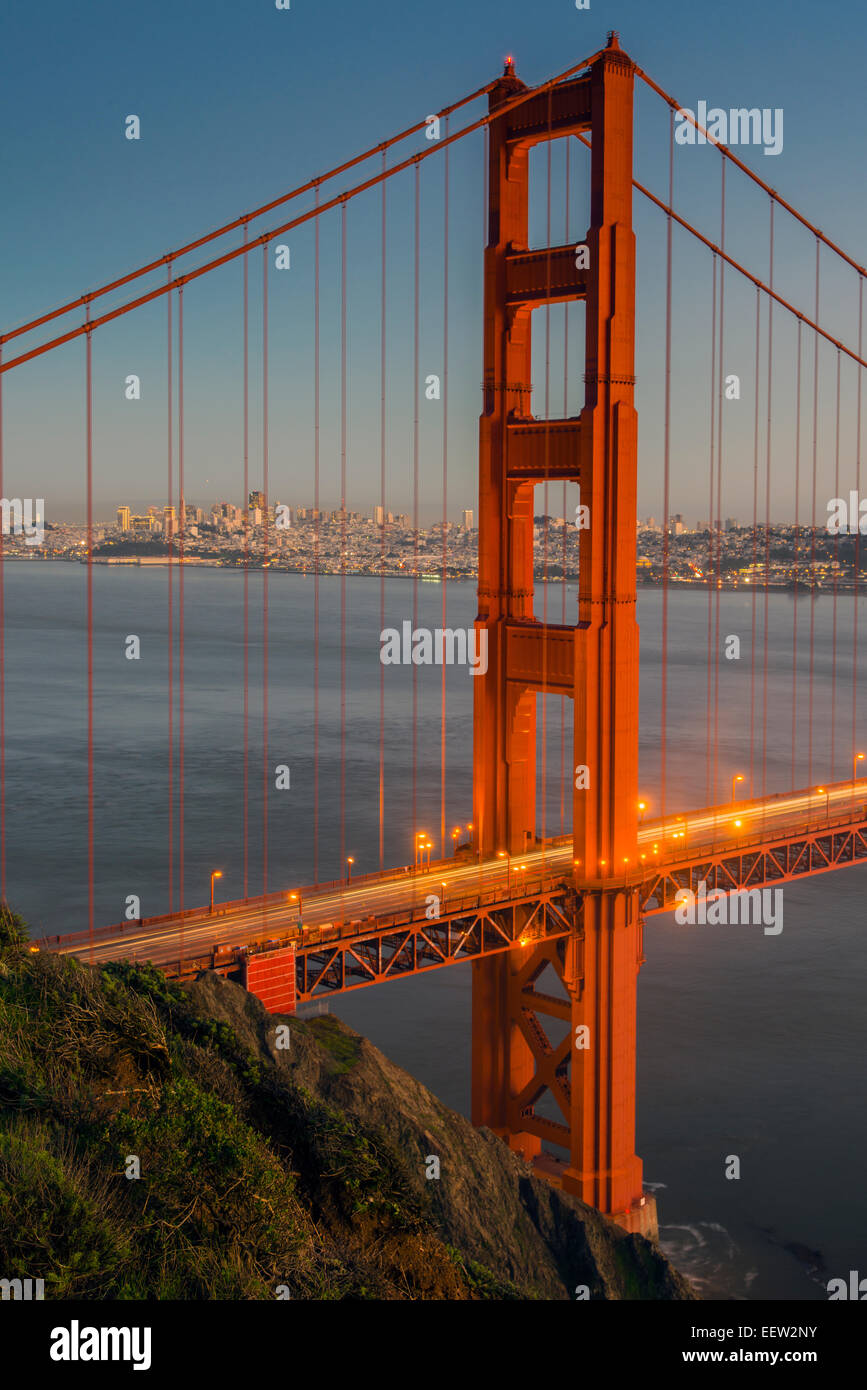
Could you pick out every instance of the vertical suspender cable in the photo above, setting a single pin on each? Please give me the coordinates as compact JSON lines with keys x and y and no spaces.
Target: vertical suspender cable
{"x":382,"y":535}
{"x":2,"y":677}
{"x":797,"y":557}
{"x":753,"y":584}
{"x":858,"y":530}
{"x":245,"y":734}
{"x":445,"y":486}
{"x":544,"y":798}
{"x":711,"y":789}
{"x":342,"y":536}
{"x":666,"y":485}
{"x":768,"y":511}
{"x":565,"y":528}
{"x":834,"y":585}
{"x":415,"y":362}
{"x":89,"y":582}
{"x":316,"y":529}
{"x":719,"y":466}
{"x":181,"y":523}
{"x":265,"y":499}
{"x":170,"y":618}
{"x":813,"y":523}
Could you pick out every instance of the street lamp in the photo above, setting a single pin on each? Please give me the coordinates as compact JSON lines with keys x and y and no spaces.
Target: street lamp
{"x":455,"y":836}
{"x":444,"y":886}
{"x":349,"y":863}
{"x":857,"y":758}
{"x":501,"y":854}
{"x":642,"y":807}
{"x":737,"y":778}
{"x":218,"y":873}
{"x":827,"y":796}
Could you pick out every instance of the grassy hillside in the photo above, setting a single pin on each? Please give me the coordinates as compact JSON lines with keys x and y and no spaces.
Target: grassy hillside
{"x":261,"y":1168}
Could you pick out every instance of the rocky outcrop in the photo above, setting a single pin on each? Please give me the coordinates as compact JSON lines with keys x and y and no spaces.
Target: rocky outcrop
{"x":486,"y":1202}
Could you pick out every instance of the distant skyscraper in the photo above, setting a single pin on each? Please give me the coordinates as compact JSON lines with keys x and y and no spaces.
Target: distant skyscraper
{"x":379,"y":515}
{"x":468,"y":520}
{"x":256,"y":500}
{"x":732,"y":523}
{"x":123,"y":518}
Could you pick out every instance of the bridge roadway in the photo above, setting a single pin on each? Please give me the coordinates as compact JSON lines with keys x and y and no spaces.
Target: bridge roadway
{"x":163,"y":940}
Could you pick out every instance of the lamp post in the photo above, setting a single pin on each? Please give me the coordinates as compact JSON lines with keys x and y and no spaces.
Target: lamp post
{"x":642,"y":807}
{"x":218,"y":873}
{"x":738,"y":777}
{"x":296,"y":898}
{"x":502,"y":854}
{"x":349,"y":863}
{"x":827,"y":796}
{"x":443,"y":885}
{"x":455,"y":836}
{"x":856,"y":759}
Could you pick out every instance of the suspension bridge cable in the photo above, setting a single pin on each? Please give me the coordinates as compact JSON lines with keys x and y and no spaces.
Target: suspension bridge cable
{"x":745,"y":169}
{"x":313,"y":213}
{"x":244,"y":220}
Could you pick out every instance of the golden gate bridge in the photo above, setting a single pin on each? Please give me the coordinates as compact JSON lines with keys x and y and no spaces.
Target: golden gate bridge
{"x":513,"y":900}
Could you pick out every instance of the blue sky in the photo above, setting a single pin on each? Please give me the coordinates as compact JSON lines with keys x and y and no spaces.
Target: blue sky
{"x":239,"y":101}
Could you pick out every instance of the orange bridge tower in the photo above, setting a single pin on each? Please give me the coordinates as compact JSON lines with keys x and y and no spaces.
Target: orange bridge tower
{"x":590,"y":1073}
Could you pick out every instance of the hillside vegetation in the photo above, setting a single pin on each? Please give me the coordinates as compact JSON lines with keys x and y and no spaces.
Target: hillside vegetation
{"x":264,"y":1171}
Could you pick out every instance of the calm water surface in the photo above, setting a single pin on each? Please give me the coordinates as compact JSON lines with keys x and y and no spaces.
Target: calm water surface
{"x":748,"y":1045}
